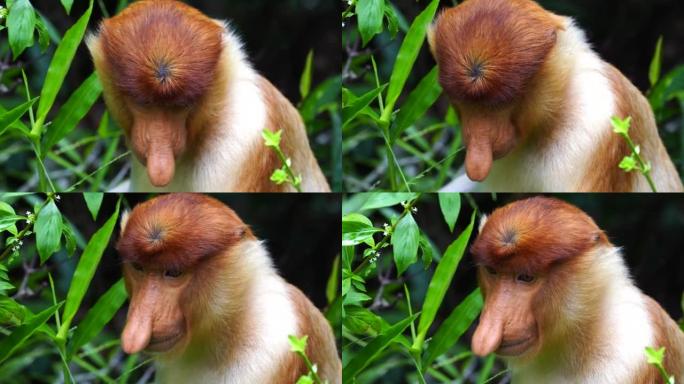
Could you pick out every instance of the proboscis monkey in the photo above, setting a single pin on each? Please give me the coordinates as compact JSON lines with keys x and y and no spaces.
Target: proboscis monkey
{"x":533,"y":94}
{"x":206,"y":300}
{"x":192,"y":107}
{"x":560,"y":306}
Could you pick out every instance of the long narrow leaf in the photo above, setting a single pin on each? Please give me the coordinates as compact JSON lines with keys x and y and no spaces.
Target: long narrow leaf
{"x":348,"y":113}
{"x":93,"y":201}
{"x":10,"y":117}
{"x":85,"y":270}
{"x":408,"y":52}
{"x":441,"y":280}
{"x":61,"y":61}
{"x":368,"y":354}
{"x":454,"y":326}
{"x":17,"y":338}
{"x":76,"y":107}
{"x":417,"y":103}
{"x":98,"y":316}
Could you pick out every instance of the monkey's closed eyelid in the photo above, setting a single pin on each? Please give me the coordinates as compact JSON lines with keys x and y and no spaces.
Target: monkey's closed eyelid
{"x":172,"y":273}
{"x":137,"y":266}
{"x":525,"y":278}
{"x":490,"y":270}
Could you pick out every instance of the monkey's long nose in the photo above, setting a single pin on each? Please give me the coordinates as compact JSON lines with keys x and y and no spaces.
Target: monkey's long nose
{"x":161,"y":166}
{"x":479,"y":158}
{"x":488,"y":334}
{"x":136,"y":335}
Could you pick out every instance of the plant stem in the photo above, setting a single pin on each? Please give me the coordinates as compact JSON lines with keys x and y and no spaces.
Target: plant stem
{"x":643,"y":167}
{"x":289,"y":171}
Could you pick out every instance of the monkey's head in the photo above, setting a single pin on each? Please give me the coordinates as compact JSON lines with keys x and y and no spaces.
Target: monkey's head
{"x":173,"y":248}
{"x":488,"y":51}
{"x":525,"y":252}
{"x":156,"y":60}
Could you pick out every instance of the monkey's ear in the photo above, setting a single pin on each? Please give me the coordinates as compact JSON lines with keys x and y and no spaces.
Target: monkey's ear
{"x":124,"y":221}
{"x":483,"y":221}
{"x":431,"y":38}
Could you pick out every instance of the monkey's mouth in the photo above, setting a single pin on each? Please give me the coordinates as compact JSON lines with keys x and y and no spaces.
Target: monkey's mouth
{"x":163,"y":343}
{"x":515,"y":347}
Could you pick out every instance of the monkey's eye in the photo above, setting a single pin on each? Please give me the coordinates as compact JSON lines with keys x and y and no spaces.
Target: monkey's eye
{"x":490,"y":270}
{"x":137,"y":266}
{"x":172,"y":273}
{"x":525,"y":278}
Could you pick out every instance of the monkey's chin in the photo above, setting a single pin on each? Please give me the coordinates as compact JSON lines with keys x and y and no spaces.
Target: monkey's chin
{"x":163,"y":344}
{"x":515,"y":348}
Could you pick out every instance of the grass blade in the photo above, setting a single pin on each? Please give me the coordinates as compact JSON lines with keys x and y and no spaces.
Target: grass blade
{"x":59,"y":66}
{"x":75,"y":109}
{"x":408,"y":52}
{"x":450,"y":204}
{"x":454,"y":326}
{"x":654,"y":68}
{"x":419,"y":100}
{"x":17,"y":338}
{"x":348,"y":113}
{"x":85,"y":270}
{"x":98,"y":316}
{"x":372,"y":349}
{"x":7,"y":118}
{"x":93,"y":201}
{"x":305,"y":80}
{"x":386,"y":199}
{"x":440,"y":282}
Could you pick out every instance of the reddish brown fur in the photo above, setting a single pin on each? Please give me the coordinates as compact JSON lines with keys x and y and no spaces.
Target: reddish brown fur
{"x":488,"y":50}
{"x":158,"y":231}
{"x":319,"y":344}
{"x":161,"y":52}
{"x":531,"y":235}
{"x":668,"y":335}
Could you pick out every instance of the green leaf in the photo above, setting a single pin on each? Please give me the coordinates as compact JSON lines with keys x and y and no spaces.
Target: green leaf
{"x":11,"y":312}
{"x":621,"y":126}
{"x":305,"y":380}
{"x":357,"y":229}
{"x":417,"y":103}
{"x":408,"y":52}
{"x":369,"y":14}
{"x":392,"y":20}
{"x":355,"y":298}
{"x":21,"y":22}
{"x":371,"y":351}
{"x":441,"y":280}
{"x":332,"y":287}
{"x":450,"y":204}
{"x":69,"y":238}
{"x":48,"y":230}
{"x":98,"y":316}
{"x":67,"y":5}
{"x":405,"y":241}
{"x":426,"y":248}
{"x":655,"y":356}
{"x":61,"y":61}
{"x":43,"y":35}
{"x":298,"y":345}
{"x":6,"y":211}
{"x":454,"y":327}
{"x":350,"y":112}
{"x":93,"y":201}
{"x":279,"y":176}
{"x":17,"y":338}
{"x":628,"y":164}
{"x":654,"y":69}
{"x":9,"y":117}
{"x":85,"y":270}
{"x":75,"y":109}
{"x":360,"y":320}
{"x":271,"y":139}
{"x":386,"y":199}
{"x":305,"y":80}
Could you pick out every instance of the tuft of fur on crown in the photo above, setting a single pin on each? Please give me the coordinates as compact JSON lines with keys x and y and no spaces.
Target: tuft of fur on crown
{"x":533,"y":234}
{"x":178,"y":230}
{"x":161,"y":52}
{"x":488,"y":50}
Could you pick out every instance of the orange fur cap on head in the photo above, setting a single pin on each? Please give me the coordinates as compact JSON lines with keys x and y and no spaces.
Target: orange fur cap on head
{"x":533,"y":234}
{"x":178,"y":230}
{"x":488,"y":50}
{"x":162,"y":52}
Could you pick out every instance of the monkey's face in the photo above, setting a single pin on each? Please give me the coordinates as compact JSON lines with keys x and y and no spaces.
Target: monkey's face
{"x":508,"y":325}
{"x":158,"y":137}
{"x":156,"y":321}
